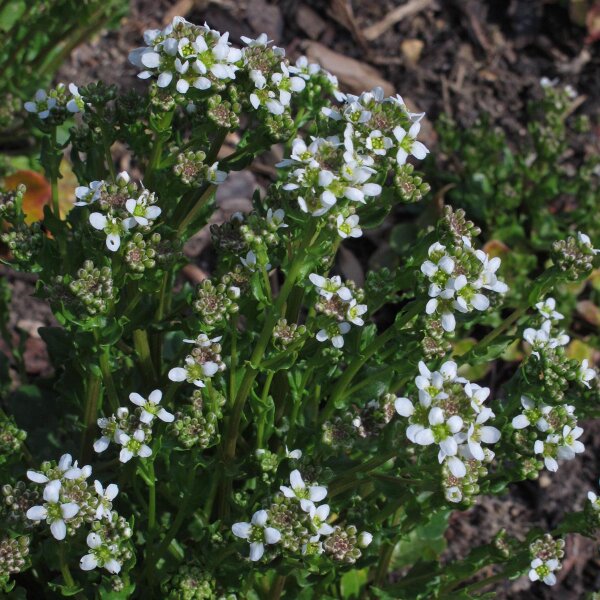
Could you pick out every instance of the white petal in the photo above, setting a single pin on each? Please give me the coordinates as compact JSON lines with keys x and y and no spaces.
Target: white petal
{"x":165,"y":416}
{"x":98,"y":221}
{"x":137,"y":399}
{"x":69,"y":510}
{"x":404,"y":407}
{"x":58,"y":529}
{"x":164,"y":79}
{"x":317,"y":493}
{"x":257,"y":549}
{"x":242,"y":530}
{"x":178,"y":374}
{"x":259,"y":518}
{"x":37,"y":513}
{"x":37,"y":477}
{"x":272,"y":535}
{"x":88,"y":562}
{"x":296,"y":480}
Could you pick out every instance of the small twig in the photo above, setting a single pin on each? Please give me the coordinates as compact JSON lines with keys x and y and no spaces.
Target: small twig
{"x":411,"y":8}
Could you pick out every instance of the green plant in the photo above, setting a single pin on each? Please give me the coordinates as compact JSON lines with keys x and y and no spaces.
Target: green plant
{"x":251,"y":427}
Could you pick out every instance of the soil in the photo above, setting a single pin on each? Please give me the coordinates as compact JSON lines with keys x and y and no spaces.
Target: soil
{"x":459,"y":57}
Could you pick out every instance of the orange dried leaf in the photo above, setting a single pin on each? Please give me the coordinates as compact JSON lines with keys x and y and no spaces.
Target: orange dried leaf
{"x":38,"y":193}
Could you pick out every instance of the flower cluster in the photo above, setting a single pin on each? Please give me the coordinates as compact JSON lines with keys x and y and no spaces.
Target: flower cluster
{"x":55,"y":105}
{"x":133,"y":431}
{"x":458,"y":276}
{"x":122,"y":206}
{"x":546,"y":554}
{"x":203,"y":361}
{"x":451,"y":414}
{"x":69,"y":502}
{"x":14,"y":553}
{"x":339,"y":304}
{"x":297,"y":522}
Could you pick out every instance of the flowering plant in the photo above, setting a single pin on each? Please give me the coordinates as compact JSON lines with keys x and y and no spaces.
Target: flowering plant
{"x":267,"y":432}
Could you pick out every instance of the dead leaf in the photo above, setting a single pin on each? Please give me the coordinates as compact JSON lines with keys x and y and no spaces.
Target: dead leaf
{"x":589,"y":311}
{"x":354,"y":75}
{"x":266,"y":18}
{"x":310,"y":22}
{"x":38,"y":193}
{"x":411,"y":49}
{"x":342,"y":12}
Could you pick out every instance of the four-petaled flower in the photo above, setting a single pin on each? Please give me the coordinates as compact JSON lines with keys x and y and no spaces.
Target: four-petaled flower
{"x":258,"y":533}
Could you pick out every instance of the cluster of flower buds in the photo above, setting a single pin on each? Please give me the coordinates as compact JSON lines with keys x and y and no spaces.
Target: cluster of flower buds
{"x":546,"y":554}
{"x":451,"y":414}
{"x":69,"y":501}
{"x":14,"y":554}
{"x":196,"y":423}
{"x":122,"y":206}
{"x":54,"y":107}
{"x":457,"y":277}
{"x":191,"y":582}
{"x":215,"y":302}
{"x":133,"y":431}
{"x":285,"y":334}
{"x":93,"y":288}
{"x":192,"y":170}
{"x":340,"y":304}
{"x":23,"y":240}
{"x":574,"y":256}
{"x":109,"y":545}
{"x":203,"y":361}
{"x":11,"y":438}
{"x":18,"y":499}
{"x":297,"y":522}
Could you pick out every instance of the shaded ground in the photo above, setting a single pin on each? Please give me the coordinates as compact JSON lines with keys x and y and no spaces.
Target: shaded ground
{"x":467,"y":58}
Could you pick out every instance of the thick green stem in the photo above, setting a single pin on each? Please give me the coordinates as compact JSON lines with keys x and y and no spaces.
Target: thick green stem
{"x":107,"y":378}
{"x":203,"y":200}
{"x":277,"y":587}
{"x":54,"y":179}
{"x":260,"y":432}
{"x":92,"y":401}
{"x":142,"y":348}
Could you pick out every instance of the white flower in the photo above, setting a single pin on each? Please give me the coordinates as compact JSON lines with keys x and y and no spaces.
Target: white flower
{"x":335,"y":332}
{"x":430,"y":385}
{"x":477,"y":394}
{"x":440,"y":431}
{"x":532,"y":414}
{"x":585,"y":374}
{"x":251,"y":262}
{"x":141,"y":211}
{"x":543,"y":570}
{"x":257,"y":533}
{"x":42,"y":104}
{"x":585,"y":240}
{"x":549,"y":451}
{"x":377,"y":143}
{"x":348,"y":227}
{"x":466,"y":295}
{"x":214,"y":175}
{"x":88,"y":194}
{"x":478,"y":433}
{"x":287,"y":84}
{"x":133,"y":446}
{"x":487,"y":277}
{"x":304,"y":69}
{"x":354,"y":312}
{"x":570,"y":444}
{"x":101,"y":555}
{"x":328,"y":287}
{"x":593,"y":498}
{"x":105,"y":498}
{"x":262,"y":41}
{"x":547,"y":310}
{"x":75,"y":104}
{"x":408,"y":144}
{"x":453,"y":494}
{"x":53,"y":511}
{"x":318,"y":518}
{"x":438,"y":261}
{"x":306,"y":495}
{"x":275,"y":219}
{"x":293,"y":454}
{"x":192,"y":372}
{"x":150,"y":407}
{"x":112,"y":226}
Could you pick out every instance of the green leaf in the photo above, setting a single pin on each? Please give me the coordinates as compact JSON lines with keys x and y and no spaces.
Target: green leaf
{"x":352,"y":583}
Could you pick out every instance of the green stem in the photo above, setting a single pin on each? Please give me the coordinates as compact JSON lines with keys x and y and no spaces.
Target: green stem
{"x":107,"y":379}
{"x":54,"y":178}
{"x":260,"y":433}
{"x":277,"y":587}
{"x":202,"y":201}
{"x":64,"y":567}
{"x":354,"y":367}
{"x":151,"y":499}
{"x":233,"y":363}
{"x":142,"y":348}
{"x":252,"y":370}
{"x":92,"y":401}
